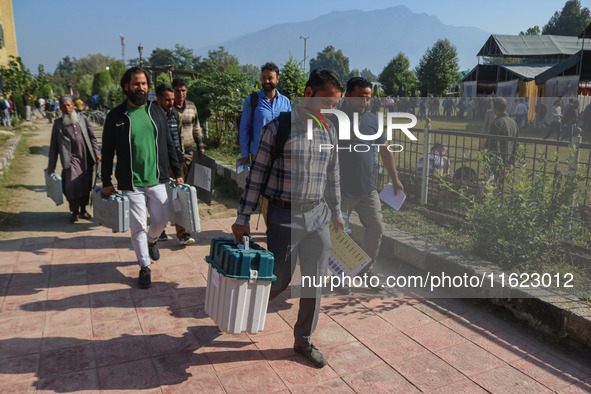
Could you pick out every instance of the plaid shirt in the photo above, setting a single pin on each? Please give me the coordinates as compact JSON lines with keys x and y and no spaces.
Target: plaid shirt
{"x":301,"y":174}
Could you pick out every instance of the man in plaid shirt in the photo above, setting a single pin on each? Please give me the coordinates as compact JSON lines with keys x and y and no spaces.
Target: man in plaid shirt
{"x":296,"y":181}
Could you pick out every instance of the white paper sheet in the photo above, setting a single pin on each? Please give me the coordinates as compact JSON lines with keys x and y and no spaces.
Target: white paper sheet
{"x":202,"y":177}
{"x":387,"y":196}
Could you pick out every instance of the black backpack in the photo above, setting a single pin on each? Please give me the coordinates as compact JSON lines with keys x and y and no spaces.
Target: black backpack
{"x":254,"y":101}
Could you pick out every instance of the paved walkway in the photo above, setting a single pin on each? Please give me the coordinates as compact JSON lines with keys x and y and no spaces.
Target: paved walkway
{"x":73,"y":319}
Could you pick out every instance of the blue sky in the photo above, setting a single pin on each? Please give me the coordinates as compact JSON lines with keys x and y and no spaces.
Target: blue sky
{"x":49,"y":30}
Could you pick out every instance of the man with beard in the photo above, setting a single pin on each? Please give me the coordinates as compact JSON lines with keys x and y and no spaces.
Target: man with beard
{"x":137,"y":131}
{"x":269,"y":104}
{"x":165,"y":97}
{"x":73,"y":139}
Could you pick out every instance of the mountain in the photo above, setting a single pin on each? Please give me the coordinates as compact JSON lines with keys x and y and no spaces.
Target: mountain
{"x":369,"y":38}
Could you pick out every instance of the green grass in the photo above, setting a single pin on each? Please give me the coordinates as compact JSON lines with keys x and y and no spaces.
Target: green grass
{"x":455,"y":234}
{"x":13,"y":175}
{"x":419,"y":222}
{"x":225,"y":154}
{"x":3,"y":139}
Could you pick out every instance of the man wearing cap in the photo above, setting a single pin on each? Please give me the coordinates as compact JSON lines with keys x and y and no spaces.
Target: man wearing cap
{"x":72,"y":137}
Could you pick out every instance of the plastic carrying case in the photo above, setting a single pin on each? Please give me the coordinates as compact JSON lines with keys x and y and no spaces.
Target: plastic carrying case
{"x":53,"y":187}
{"x":238,"y":285}
{"x":182,"y":206}
{"x":112,"y":211}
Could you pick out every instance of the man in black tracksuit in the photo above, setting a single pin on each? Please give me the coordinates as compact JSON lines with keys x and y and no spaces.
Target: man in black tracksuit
{"x":137,"y":132}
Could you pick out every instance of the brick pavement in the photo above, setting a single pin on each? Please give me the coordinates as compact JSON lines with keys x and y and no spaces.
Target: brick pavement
{"x":73,"y":319}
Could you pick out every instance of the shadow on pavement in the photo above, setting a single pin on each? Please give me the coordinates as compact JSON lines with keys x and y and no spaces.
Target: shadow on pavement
{"x":129,"y":362}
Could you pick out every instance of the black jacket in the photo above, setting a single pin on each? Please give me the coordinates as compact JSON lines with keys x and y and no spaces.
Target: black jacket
{"x":116,"y":140}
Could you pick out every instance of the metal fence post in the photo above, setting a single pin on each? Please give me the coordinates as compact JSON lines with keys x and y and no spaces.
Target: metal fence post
{"x":575,"y":141}
{"x":425,"y":178}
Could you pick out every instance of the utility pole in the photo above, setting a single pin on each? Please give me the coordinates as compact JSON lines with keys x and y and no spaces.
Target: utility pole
{"x":305,"y":39}
{"x":122,"y":47}
{"x":140,"y":49}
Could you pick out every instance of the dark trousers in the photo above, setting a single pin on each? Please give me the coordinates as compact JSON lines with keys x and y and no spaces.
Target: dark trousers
{"x":555,"y":127}
{"x":304,"y":238}
{"x":78,"y":205}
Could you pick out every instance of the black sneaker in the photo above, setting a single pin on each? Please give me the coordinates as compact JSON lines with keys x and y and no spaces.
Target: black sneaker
{"x":145,"y":278}
{"x":311,"y":353}
{"x":84,"y":215}
{"x":73,"y":217}
{"x":186,"y":239}
{"x":372,"y":284}
{"x":163,"y":236}
{"x":153,"y":250}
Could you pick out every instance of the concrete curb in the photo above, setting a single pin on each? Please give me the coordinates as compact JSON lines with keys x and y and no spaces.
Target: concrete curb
{"x":8,"y":153}
{"x":551,"y":312}
{"x":548,"y":311}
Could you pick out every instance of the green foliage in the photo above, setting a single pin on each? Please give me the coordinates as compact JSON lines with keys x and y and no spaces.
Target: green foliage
{"x":101,"y":85}
{"x":84,"y":86}
{"x":367,"y":74}
{"x":65,"y":67}
{"x":333,"y":60}
{"x":396,"y":78}
{"x":532,"y":31}
{"x":17,"y":99}
{"x":116,"y":70}
{"x":531,"y":222}
{"x":46,"y":91}
{"x":354,"y":73}
{"x":253,"y":72}
{"x":16,"y":79}
{"x":162,"y":57}
{"x":15,"y":76}
{"x":570,"y":21}
{"x":185,"y":58}
{"x":113,"y":95}
{"x":292,"y":78}
{"x":438,"y":69}
{"x":162,"y":78}
{"x":219,"y":60}
{"x":218,"y":97}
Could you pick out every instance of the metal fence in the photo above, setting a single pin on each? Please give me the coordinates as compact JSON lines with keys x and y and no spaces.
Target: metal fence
{"x":466,"y":171}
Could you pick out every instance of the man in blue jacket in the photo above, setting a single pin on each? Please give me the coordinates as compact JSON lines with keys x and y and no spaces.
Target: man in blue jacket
{"x":137,"y":132}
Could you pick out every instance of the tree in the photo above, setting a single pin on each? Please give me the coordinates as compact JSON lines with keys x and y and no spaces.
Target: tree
{"x":185,"y":58}
{"x":570,"y":21}
{"x":367,"y":74}
{"x":101,"y":85}
{"x":84,"y":86}
{"x":396,"y":77}
{"x":16,"y":79}
{"x":532,"y":31}
{"x":333,"y":60}
{"x":354,"y":73}
{"x":91,"y":64}
{"x":253,"y":72}
{"x":66,"y":66}
{"x":438,"y":69}
{"x":116,"y":70}
{"x":162,"y":57}
{"x":219,"y":60}
{"x":219,"y":96}
{"x":292,"y":78}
